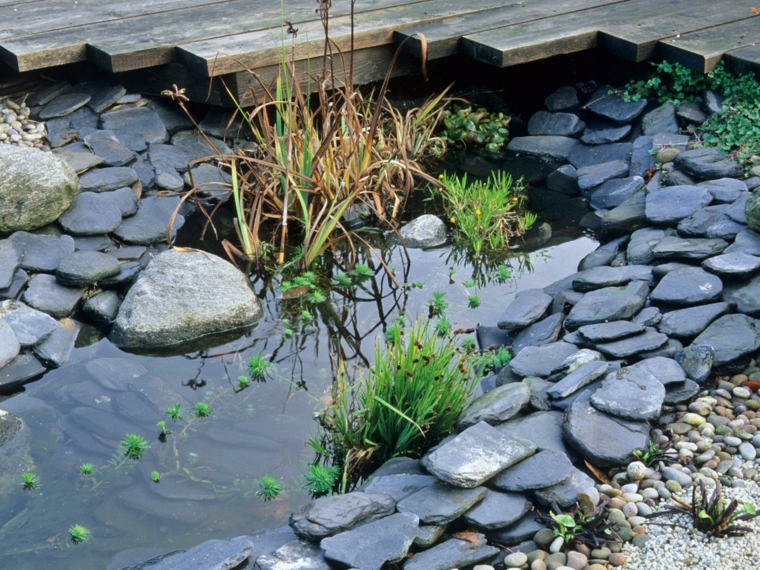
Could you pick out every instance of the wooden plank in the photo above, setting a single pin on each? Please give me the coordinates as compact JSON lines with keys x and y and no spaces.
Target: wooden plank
{"x":120,"y":54}
{"x":443,"y":37}
{"x":636,"y":38}
{"x":36,"y":17}
{"x":744,"y":60}
{"x":160,"y":31}
{"x":370,"y":29}
{"x":701,"y":51}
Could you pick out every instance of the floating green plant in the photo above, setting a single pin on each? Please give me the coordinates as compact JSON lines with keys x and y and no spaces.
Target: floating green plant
{"x":133,"y":446}
{"x":258,"y":367}
{"x":478,"y":127}
{"x":155,"y":476}
{"x":473,"y":301}
{"x":86,"y":469}
{"x":173,"y":412}
{"x":342,"y":280}
{"x":438,"y":304}
{"x":243,"y":382}
{"x":469,"y":283}
{"x":30,"y":481}
{"x":320,"y":479}
{"x":78,"y":534}
{"x":269,"y":487}
{"x":202,"y":410}
{"x":442,"y":326}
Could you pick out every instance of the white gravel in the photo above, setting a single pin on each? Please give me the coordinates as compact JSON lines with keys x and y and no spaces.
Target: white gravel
{"x":675,"y":548}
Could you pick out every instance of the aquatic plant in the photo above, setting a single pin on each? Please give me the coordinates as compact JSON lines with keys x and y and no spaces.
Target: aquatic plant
{"x":494,"y":360}
{"x":320,"y":479}
{"x":269,"y":487}
{"x":243,"y":382}
{"x":478,"y":127}
{"x":502,"y":274}
{"x":86,"y":469}
{"x":437,"y":304}
{"x":469,"y":344}
{"x":173,"y":412}
{"x":442,"y":326}
{"x":410,"y":399}
{"x":202,"y":410}
{"x":258,"y":367}
{"x":78,"y":534}
{"x":155,"y":476}
{"x":469,"y":283}
{"x":473,"y":301}
{"x":342,"y":280}
{"x":30,"y":481}
{"x":133,"y":446}
{"x":487,"y":214}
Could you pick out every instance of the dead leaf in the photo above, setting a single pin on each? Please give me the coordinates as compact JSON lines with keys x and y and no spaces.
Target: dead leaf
{"x":597,"y":472}
{"x":53,"y":538}
{"x":296,"y":292}
{"x":755,"y":10}
{"x":469,"y":536}
{"x":753,"y":385}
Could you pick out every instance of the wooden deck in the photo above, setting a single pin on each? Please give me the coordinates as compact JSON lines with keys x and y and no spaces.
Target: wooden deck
{"x":167,"y":41}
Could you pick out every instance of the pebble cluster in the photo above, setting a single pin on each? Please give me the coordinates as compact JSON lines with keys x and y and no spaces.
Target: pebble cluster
{"x":17,"y":128}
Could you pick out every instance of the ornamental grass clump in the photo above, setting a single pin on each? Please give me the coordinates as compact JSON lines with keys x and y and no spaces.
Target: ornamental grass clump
{"x":408,"y":402}
{"x":486,"y":214}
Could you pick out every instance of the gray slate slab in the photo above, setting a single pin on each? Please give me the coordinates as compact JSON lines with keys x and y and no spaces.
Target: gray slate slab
{"x":630,"y":393}
{"x":579,"y":378}
{"x":56,"y":349}
{"x":22,"y":369}
{"x":106,"y":179}
{"x":91,"y":213}
{"x":475,"y":455}
{"x":102,"y":307}
{"x":591,"y":176}
{"x":498,"y":510}
{"x":566,"y":494}
{"x":496,"y":406}
{"x":398,"y":485}
{"x":606,"y":441}
{"x":541,"y":360}
{"x":539,"y":333}
{"x":149,"y":224}
{"x":10,"y":261}
{"x":64,"y":105}
{"x":731,"y":336}
{"x":441,"y":504}
{"x":660,"y":120}
{"x":745,"y":294}
{"x":666,"y":370}
{"x":556,"y":147}
{"x":696,"y":361}
{"x":9,"y":345}
{"x":527,"y":307}
{"x":295,"y":555}
{"x":560,"y":124}
{"x":673,"y":247}
{"x":609,"y":331}
{"x":30,"y":325}
{"x":603,"y":133}
{"x":736,"y":264}
{"x":639,"y":250}
{"x":614,"y":192}
{"x":42,"y":252}
{"x":710,"y":222}
{"x":669,"y":205}
{"x":627,"y":217}
{"x":452,"y":554}
{"x":544,"y":469}
{"x":83,"y":268}
{"x":708,"y":163}
{"x":612,"y":106}
{"x":141,"y":120}
{"x":543,"y":429}
{"x":689,"y":286}
{"x":747,"y":241}
{"x":327,"y":516}
{"x":650,"y":339}
{"x":371,"y":546}
{"x":45,"y":294}
{"x":607,"y":304}
{"x":210,"y":555}
{"x":688,"y":323}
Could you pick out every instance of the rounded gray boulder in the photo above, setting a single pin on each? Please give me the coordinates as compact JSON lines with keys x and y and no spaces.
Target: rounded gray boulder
{"x":182,"y":296}
{"x":36,"y":187}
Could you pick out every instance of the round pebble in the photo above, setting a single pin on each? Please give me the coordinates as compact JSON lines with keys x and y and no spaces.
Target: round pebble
{"x":516,"y":559}
{"x":693,"y":419}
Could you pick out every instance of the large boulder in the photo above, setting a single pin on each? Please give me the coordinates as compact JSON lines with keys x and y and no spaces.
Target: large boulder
{"x":36,"y":187}
{"x":182,"y":297}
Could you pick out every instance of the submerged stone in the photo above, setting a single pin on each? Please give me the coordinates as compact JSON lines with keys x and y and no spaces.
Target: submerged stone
{"x":453,"y":553}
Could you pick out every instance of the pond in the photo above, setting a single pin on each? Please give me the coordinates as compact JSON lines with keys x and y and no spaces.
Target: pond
{"x":209,"y":466}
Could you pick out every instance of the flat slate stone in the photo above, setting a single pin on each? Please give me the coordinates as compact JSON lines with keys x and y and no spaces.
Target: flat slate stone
{"x":102,"y":307}
{"x":453,"y":553}
{"x":22,"y":369}
{"x":606,"y":441}
{"x":46,"y":93}
{"x":543,"y":429}
{"x":210,"y":555}
{"x":496,"y":406}
{"x":614,"y":330}
{"x":688,"y":323}
{"x":105,"y":145}
{"x":141,"y":120}
{"x":696,"y":361}
{"x":564,"y":180}
{"x":671,"y":204}
{"x":660,"y":120}
{"x":688,"y":248}
{"x":543,"y":332}
{"x":649,"y":316}
{"x":295,"y":555}
{"x":639,"y":250}
{"x":399,"y":485}
{"x":681,"y":392}
{"x":474,"y":456}
{"x":555,"y":147}
{"x":627,"y":217}
{"x":745,"y":294}
{"x":103,"y":95}
{"x":327,"y":516}
{"x":149,"y":224}
{"x":541,"y":360}
{"x":579,"y":378}
{"x":498,"y":510}
{"x":612,"y":106}
{"x":747,"y":241}
{"x":10,"y":261}
{"x":544,"y":469}
{"x":128,"y":272}
{"x":566,"y":494}
{"x":79,"y":160}
{"x":91,"y":214}
{"x":725,"y":190}
{"x":560,"y":124}
{"x":666,"y":370}
{"x":737,"y":209}
{"x":42,"y":252}
{"x":83,"y":268}
{"x":603,"y":133}
{"x":56,"y":349}
{"x":428,"y":535}
{"x":45,"y":294}
{"x":614,"y":192}
{"x":526,"y":308}
{"x":441,"y":504}
{"x":630,"y":393}
{"x":64,"y":105}
{"x":708,"y":163}
{"x":30,"y":325}
{"x":196,"y":145}
{"x":594,"y":175}
{"x":710,"y":222}
{"x":371,"y":546}
{"x":607,"y":304}
{"x":566,"y":97}
{"x":688,"y":286}
{"x":169,"y":154}
{"x":9,"y":345}
{"x":588,"y":155}
{"x":126,"y":200}
{"x":736,"y":264}
{"x":731,"y":336}
{"x":629,"y":346}
{"x":642,"y":160}
{"x":107,"y":179}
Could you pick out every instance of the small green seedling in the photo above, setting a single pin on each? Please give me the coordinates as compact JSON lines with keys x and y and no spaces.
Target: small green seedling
{"x":269,"y":488}
{"x":78,"y":534}
{"x":86,"y":469}
{"x":30,"y":481}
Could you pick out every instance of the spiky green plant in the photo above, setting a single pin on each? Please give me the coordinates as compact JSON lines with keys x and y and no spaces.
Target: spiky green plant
{"x":173,"y":412}
{"x":155,"y":476}
{"x":469,"y":283}
{"x":202,"y":410}
{"x":321,"y":479}
{"x":30,"y":481}
{"x":437,"y":304}
{"x":243,"y":382}
{"x":469,"y":344}
{"x":342,"y":280}
{"x":442,"y":326}
{"x":78,"y":534}
{"x":133,"y":446}
{"x":269,"y":487}
{"x":86,"y":469}
{"x":362,"y":272}
{"x":258,"y":367}
{"x":473,"y":301}
{"x":316,"y":297}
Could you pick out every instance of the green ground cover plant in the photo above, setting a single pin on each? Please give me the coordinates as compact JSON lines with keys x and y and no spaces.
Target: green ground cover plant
{"x":475,"y":127}
{"x":735,"y":129}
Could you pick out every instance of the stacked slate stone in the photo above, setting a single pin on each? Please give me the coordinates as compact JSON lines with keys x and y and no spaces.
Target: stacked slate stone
{"x":81,"y":222}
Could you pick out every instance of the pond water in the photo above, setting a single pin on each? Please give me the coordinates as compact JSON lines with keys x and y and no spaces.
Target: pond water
{"x":209,"y":467}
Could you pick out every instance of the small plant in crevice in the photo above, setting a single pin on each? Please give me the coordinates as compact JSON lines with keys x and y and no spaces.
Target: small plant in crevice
{"x":585,"y":523}
{"x":321,"y":479}
{"x":269,"y":487}
{"x":30,"y":481}
{"x":713,"y":515}
{"x":494,"y":360}
{"x":656,"y":452}
{"x":78,"y":534}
